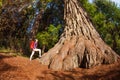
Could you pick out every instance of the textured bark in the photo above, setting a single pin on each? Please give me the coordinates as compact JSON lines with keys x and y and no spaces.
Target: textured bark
{"x":80,"y":45}
{"x":35,"y":27}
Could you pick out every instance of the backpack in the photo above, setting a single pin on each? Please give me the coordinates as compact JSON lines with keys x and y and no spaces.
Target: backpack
{"x":32,"y":44}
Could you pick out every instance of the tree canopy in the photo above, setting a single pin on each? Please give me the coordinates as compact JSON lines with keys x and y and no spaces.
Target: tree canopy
{"x":13,"y":24}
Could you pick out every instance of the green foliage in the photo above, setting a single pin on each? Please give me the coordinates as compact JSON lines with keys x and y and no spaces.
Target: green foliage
{"x":90,"y":8}
{"x":50,"y":37}
{"x":13,"y":25}
{"x":0,"y":3}
{"x":105,"y":15}
{"x":99,"y":19}
{"x":110,"y":27}
{"x":53,"y":13}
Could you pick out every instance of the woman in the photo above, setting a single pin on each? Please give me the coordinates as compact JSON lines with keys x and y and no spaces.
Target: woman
{"x":35,"y":49}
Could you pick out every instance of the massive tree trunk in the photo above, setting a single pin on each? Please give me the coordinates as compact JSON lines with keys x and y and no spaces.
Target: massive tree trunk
{"x":80,"y":45}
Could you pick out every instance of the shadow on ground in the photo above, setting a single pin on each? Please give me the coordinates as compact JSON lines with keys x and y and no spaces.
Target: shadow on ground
{"x":5,"y":66}
{"x":81,"y":75}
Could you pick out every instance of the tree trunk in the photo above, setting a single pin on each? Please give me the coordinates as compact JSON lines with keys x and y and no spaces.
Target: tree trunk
{"x":43,"y":48}
{"x":36,"y":24}
{"x":80,"y":45}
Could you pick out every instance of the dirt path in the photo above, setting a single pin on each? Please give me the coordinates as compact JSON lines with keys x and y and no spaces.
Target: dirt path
{"x":20,"y":68}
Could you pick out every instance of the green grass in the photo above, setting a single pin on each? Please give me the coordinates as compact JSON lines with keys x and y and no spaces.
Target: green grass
{"x":3,"y":50}
{"x":14,"y":53}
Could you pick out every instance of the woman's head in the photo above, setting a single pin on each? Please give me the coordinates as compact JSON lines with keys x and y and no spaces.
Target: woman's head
{"x":36,"y":40}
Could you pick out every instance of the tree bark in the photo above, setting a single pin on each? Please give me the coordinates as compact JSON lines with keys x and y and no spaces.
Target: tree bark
{"x":80,"y":45}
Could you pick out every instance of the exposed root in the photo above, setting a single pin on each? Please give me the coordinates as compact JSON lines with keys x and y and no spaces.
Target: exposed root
{"x":78,"y":52}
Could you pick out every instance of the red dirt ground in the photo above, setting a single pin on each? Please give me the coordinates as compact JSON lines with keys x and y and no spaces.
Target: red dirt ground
{"x":20,"y":68}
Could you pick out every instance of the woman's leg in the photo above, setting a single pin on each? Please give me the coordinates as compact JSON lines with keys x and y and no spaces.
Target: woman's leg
{"x":39,"y":51}
{"x":32,"y":54}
